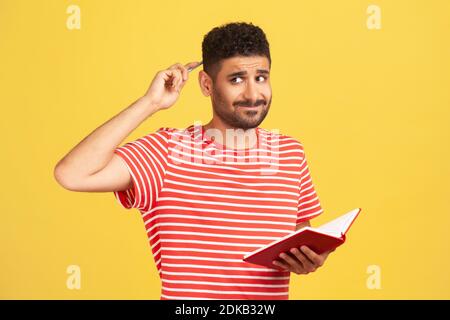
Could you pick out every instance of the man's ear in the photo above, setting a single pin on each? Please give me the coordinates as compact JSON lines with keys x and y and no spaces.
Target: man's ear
{"x":205,"y":82}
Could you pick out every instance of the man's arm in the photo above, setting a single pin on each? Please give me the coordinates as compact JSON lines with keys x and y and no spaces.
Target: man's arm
{"x":92,"y":165}
{"x":302,"y":225}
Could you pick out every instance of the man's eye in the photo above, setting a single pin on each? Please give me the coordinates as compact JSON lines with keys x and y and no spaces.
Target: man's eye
{"x":233,"y":80}
{"x":262,"y":77}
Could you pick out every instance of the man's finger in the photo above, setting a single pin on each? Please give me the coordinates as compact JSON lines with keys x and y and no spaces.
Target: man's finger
{"x":293,"y":263}
{"x":307,"y":265}
{"x":183,"y":70}
{"x":314,"y":257}
{"x":170,"y":77}
{"x":192,"y":65}
{"x":177,"y":77}
{"x":281,"y":265}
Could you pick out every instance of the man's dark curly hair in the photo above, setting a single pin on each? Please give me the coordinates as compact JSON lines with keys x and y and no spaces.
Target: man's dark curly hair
{"x":230,"y":40}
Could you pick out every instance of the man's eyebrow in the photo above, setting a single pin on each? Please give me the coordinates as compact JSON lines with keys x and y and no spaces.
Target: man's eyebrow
{"x":243,"y":73}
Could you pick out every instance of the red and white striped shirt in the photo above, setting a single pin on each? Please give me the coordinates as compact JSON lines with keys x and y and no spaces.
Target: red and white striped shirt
{"x":205,"y":206}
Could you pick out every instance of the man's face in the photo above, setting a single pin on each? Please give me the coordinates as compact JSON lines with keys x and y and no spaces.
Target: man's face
{"x":241,"y":94}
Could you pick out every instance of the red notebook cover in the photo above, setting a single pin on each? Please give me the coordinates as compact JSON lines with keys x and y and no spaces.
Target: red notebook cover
{"x":311,"y":237}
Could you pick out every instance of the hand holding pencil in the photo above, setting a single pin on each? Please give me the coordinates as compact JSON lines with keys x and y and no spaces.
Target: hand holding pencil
{"x":167,"y":84}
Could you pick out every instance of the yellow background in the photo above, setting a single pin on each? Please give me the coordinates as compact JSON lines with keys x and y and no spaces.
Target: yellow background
{"x":372,"y":108}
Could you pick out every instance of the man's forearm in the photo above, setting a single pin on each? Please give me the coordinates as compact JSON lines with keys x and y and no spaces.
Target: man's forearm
{"x":303,"y":224}
{"x":94,"y":152}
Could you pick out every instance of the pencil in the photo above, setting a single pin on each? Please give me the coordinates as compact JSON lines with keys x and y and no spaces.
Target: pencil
{"x":192,"y":68}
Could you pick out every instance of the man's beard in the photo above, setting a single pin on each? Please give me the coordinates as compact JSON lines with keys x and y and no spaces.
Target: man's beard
{"x":235,"y":119}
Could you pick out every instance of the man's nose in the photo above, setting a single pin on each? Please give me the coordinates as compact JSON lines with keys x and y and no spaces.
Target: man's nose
{"x":251,"y":91}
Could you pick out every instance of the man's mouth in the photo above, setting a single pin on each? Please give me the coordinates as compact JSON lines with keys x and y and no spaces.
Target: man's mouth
{"x":250,"y":107}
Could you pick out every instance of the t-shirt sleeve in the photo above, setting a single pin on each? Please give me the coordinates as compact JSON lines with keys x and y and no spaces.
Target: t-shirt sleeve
{"x":308,"y":203}
{"x":146,"y":160}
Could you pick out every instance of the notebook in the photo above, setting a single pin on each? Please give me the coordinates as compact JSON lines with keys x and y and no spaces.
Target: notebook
{"x":319,"y":239}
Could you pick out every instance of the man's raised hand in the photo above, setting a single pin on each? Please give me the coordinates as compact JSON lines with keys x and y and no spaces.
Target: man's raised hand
{"x":167,"y":84}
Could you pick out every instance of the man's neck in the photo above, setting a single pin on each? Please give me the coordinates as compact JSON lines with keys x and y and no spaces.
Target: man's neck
{"x":236,"y":138}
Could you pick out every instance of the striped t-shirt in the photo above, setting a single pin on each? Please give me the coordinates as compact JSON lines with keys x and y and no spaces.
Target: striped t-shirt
{"x":205,"y":206}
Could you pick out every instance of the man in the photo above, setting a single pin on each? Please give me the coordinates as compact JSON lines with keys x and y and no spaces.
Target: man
{"x":207,"y":200}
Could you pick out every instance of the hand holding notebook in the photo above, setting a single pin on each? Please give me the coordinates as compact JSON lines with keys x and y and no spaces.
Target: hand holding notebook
{"x":325,"y":238}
